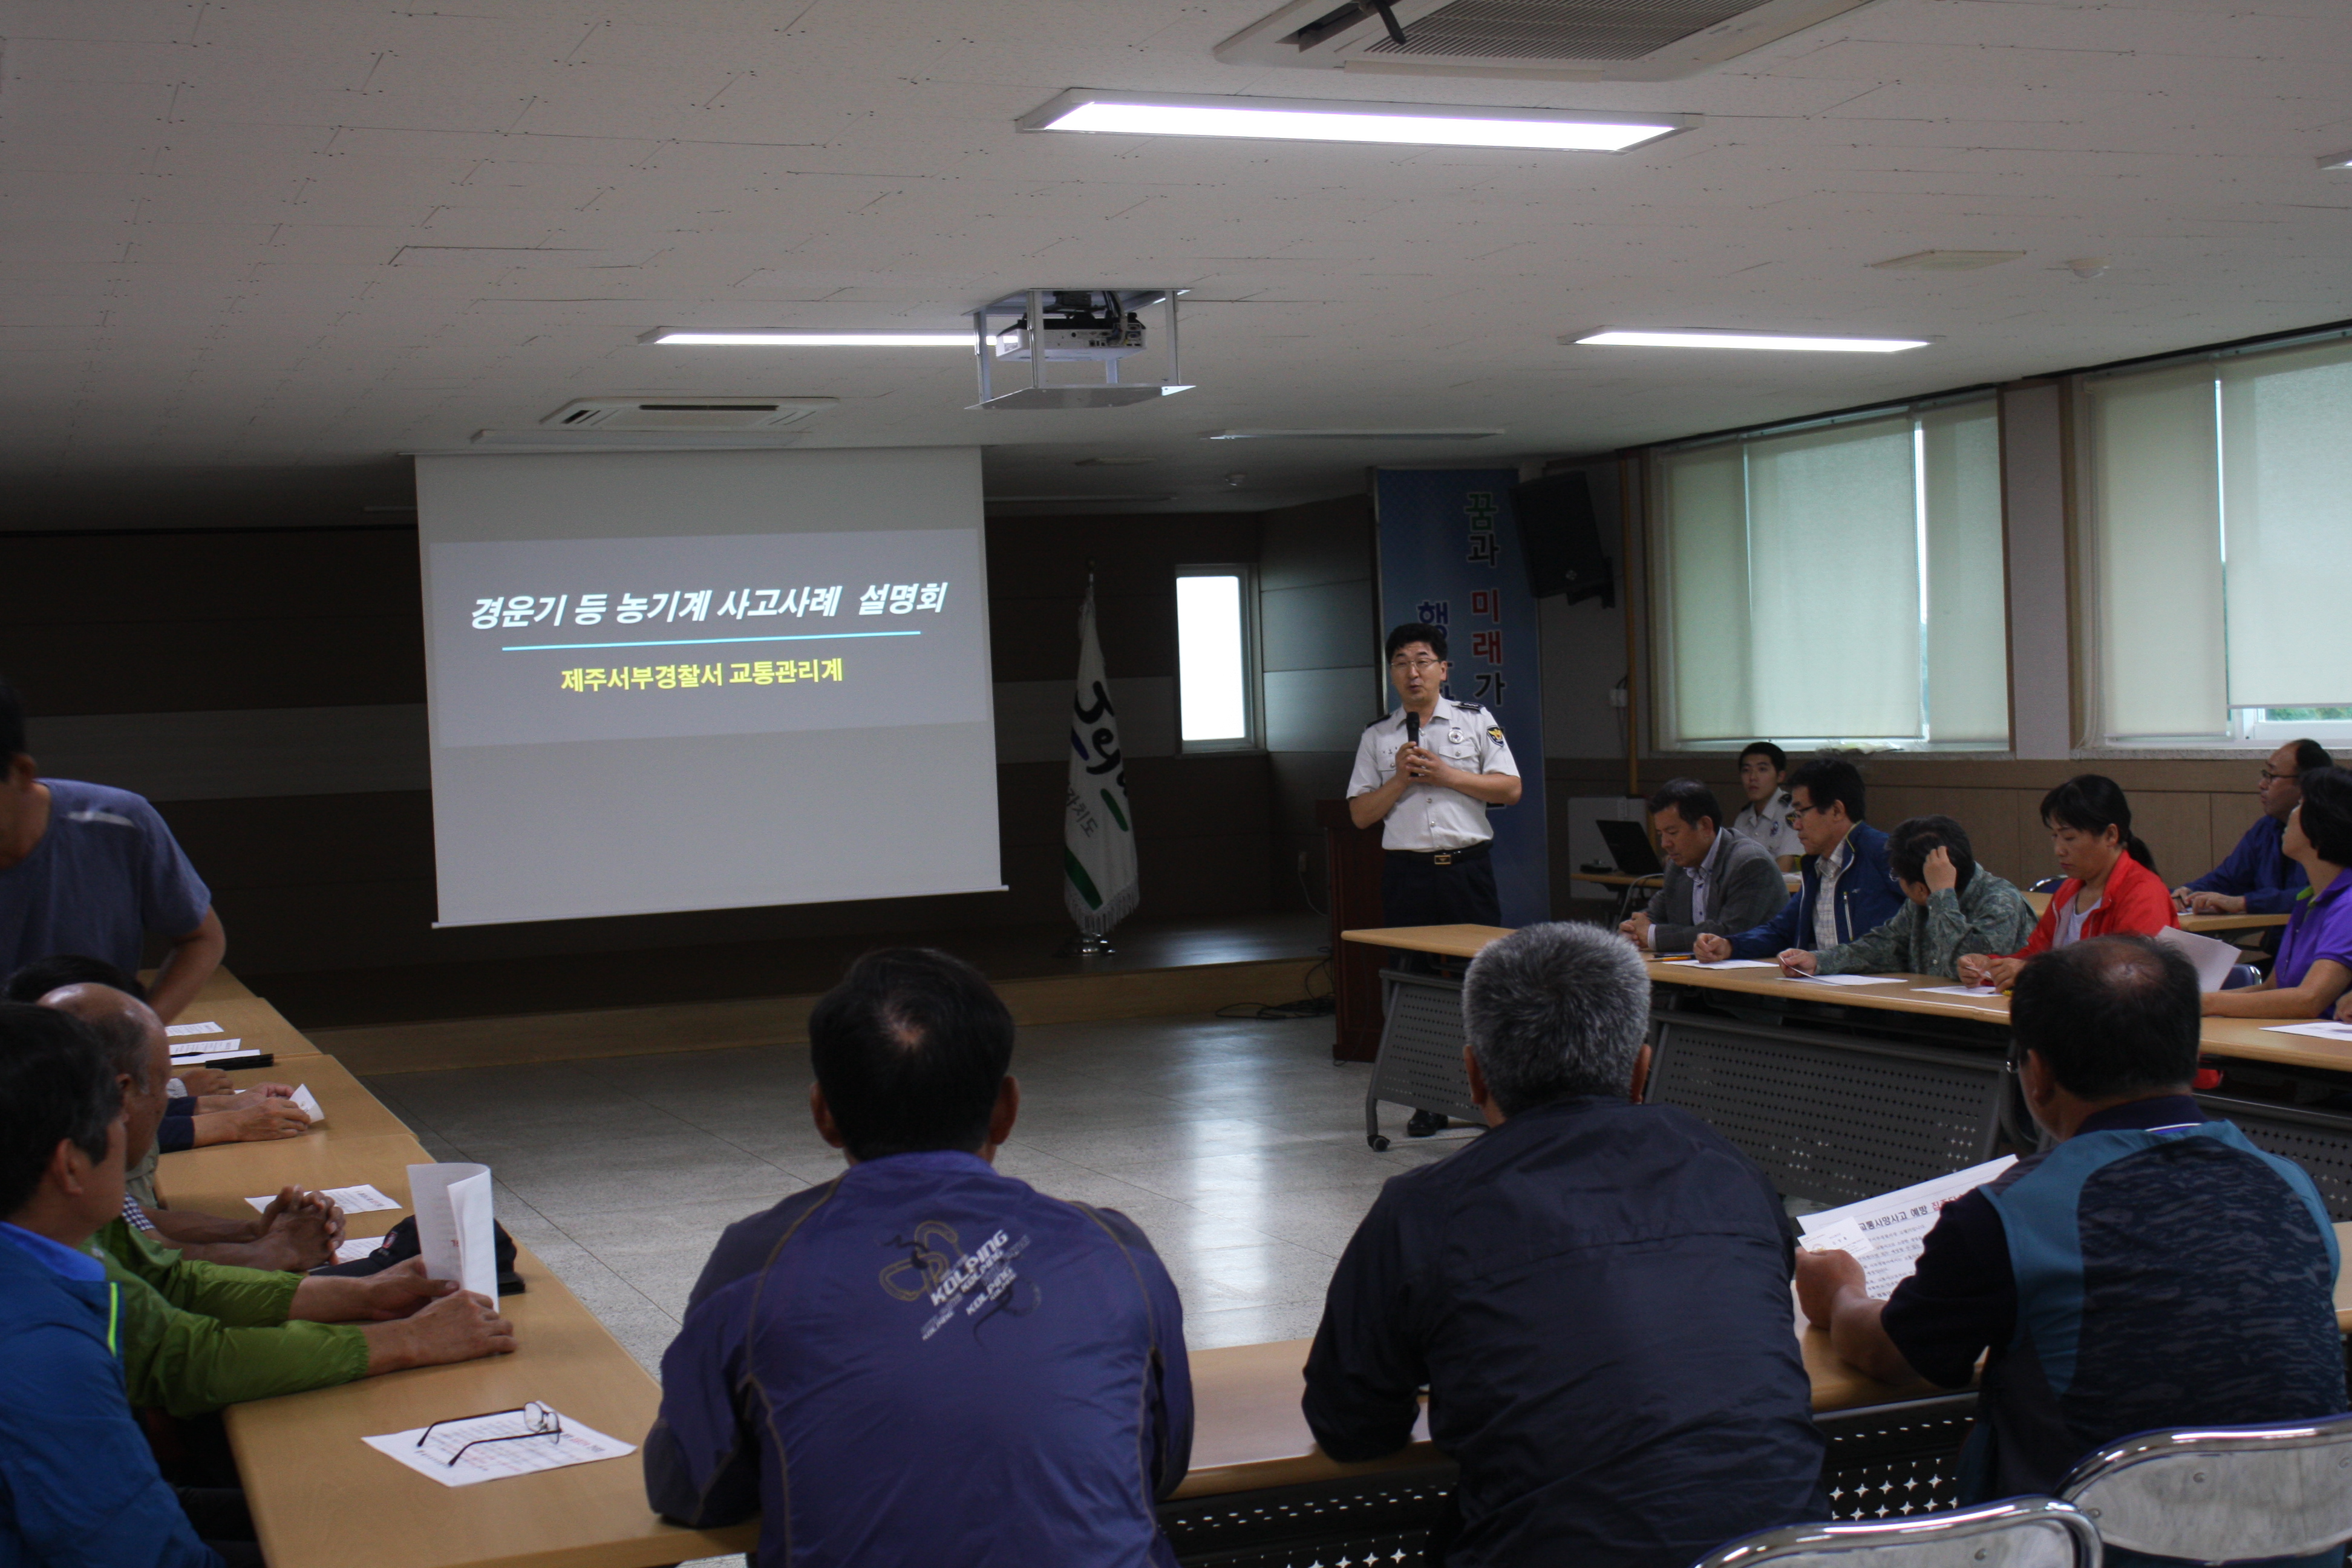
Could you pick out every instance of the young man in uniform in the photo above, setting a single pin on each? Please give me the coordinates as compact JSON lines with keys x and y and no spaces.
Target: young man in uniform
{"x":1427,"y":773}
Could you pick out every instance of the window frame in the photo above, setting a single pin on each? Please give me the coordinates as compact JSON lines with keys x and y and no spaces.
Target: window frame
{"x":1658,"y":584}
{"x":1253,"y":677}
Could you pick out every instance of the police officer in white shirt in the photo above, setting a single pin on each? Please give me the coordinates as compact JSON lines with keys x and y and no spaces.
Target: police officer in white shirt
{"x":1427,"y":773}
{"x":1763,"y":772}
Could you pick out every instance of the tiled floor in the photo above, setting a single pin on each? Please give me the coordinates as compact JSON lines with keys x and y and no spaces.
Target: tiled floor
{"x":1239,"y":1148}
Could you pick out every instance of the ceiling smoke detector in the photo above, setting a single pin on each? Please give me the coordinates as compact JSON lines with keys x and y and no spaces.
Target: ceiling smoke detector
{"x":1588,"y":40}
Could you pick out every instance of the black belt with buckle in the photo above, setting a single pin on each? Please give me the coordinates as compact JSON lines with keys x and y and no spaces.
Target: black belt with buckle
{"x":1448,"y":856}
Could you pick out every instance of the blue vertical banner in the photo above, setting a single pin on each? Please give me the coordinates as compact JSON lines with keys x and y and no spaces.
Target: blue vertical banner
{"x":1451,"y":556}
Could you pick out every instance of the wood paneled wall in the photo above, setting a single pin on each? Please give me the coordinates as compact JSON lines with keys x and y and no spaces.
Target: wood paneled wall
{"x":2190,"y":812}
{"x":235,"y":619}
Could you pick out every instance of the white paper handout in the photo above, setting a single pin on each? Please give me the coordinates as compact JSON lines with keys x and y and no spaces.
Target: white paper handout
{"x":453,"y":1232}
{"x":2213,"y":957}
{"x":2323,"y":1030}
{"x":361,"y":1199}
{"x":1885,"y":1233}
{"x":1851,"y":979}
{"x":1739,"y":964}
{"x":309,"y":1104}
{"x":1960,"y":991}
{"x":535,"y":1438}
{"x":197,"y":1051}
{"x":357,"y":1248}
{"x":176,"y":1030}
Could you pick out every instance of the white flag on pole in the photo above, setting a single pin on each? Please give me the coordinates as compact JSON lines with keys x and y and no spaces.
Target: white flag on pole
{"x":1098,"y":881}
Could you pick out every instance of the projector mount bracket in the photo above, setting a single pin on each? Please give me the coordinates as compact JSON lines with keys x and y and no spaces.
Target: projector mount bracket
{"x":1098,"y":325}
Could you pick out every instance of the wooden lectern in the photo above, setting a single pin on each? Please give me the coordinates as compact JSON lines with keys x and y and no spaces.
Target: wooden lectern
{"x":1352,"y":854}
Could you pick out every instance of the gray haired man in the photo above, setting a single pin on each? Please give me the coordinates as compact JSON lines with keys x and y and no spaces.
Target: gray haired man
{"x":1595,"y":1293}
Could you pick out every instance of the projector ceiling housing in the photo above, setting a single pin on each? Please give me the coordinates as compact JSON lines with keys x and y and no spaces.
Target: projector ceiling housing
{"x":1589,"y":40}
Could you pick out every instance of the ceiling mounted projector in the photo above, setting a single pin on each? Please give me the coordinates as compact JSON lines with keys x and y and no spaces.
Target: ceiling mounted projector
{"x":1558,"y":40}
{"x":1097,"y":326}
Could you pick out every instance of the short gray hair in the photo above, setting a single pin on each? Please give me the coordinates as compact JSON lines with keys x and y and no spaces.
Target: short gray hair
{"x":1553,"y":1011}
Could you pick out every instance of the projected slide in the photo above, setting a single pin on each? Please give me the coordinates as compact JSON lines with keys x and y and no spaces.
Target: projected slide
{"x":665,"y":681}
{"x":612,"y":639}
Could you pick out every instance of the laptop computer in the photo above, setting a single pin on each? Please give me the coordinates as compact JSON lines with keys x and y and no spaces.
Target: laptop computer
{"x":1629,"y":847}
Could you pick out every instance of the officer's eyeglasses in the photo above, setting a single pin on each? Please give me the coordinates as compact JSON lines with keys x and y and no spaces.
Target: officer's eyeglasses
{"x":1416,"y":665}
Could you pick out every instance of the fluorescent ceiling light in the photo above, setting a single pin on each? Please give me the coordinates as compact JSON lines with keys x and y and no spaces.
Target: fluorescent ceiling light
{"x":1946,"y":260}
{"x":1714,"y":340}
{"x":2336,"y":161}
{"x":1463,"y":434}
{"x":813,"y":338}
{"x":1334,"y":120}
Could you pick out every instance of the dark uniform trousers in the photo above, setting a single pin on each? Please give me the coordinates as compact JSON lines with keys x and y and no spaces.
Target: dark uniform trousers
{"x":1451,"y":887}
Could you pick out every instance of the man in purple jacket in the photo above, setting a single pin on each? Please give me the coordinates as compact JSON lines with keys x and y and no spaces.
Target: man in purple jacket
{"x":2257,"y":878}
{"x":922,"y":1361}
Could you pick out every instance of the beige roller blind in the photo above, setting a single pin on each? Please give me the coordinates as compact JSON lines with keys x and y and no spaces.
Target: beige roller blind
{"x":1704,"y":592}
{"x":1968,"y":631}
{"x":2286,"y":493}
{"x":2155,"y":532}
{"x":1834,"y":582}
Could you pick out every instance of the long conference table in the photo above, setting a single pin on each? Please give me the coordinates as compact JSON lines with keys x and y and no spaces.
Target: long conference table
{"x":1259,"y":1489}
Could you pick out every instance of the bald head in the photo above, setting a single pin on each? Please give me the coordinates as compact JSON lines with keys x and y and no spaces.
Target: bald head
{"x":133,"y":1036}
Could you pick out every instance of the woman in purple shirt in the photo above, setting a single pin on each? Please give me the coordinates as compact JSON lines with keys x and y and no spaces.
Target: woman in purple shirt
{"x":2314,"y":959}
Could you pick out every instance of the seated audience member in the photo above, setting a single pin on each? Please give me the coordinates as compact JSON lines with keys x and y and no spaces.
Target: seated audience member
{"x":86,"y":868}
{"x":923,"y":1357}
{"x":1955,"y":906}
{"x":2314,"y":955}
{"x":298,"y":1231}
{"x":2110,"y":886}
{"x":2259,"y":877}
{"x":1763,"y":769}
{"x":1595,"y":1293}
{"x":1845,"y":888}
{"x":211,"y":1110}
{"x":78,"y":1481}
{"x":1715,"y":881}
{"x":2175,"y":1274}
{"x":197,"y":1336}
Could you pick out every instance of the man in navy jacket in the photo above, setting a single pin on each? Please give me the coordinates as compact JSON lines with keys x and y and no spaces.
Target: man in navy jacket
{"x":922,"y":1361}
{"x":1595,"y":1293}
{"x":1845,"y":885}
{"x":77,"y":1482}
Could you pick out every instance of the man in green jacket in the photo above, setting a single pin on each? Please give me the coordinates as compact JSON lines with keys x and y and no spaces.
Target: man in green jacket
{"x":197,"y":1336}
{"x":1956,"y":906}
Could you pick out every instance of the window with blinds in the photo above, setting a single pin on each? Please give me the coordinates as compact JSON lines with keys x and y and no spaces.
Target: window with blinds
{"x":1843,"y":584}
{"x":2220,"y":512}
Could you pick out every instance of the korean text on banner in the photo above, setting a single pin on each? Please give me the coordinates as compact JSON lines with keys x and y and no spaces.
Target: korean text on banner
{"x":454,"y":1231}
{"x":1450,"y":557}
{"x":1099,"y":880}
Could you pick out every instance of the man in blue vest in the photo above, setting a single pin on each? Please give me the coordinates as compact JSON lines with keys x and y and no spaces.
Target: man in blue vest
{"x":77,"y":1482}
{"x":2154,"y":1268}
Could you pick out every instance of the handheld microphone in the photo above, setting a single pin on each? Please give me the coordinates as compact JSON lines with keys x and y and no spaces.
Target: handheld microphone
{"x":1411,"y":728}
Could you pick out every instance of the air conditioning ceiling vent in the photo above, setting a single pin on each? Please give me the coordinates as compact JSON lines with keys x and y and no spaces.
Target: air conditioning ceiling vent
{"x":1617,"y":40}
{"x":677,"y":411}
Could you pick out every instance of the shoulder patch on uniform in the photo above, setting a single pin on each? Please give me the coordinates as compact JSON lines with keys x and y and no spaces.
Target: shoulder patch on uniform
{"x":1467,"y":705}
{"x":1495,"y":731}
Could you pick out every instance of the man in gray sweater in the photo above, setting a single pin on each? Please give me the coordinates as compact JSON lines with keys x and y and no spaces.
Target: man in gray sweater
{"x":1956,"y":906}
{"x":1716,"y":882}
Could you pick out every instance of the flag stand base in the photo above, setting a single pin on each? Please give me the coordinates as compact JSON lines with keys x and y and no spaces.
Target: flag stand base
{"x":1088,"y":944}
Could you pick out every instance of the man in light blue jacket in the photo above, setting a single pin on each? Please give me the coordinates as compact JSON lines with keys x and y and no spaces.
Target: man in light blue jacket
{"x":77,"y":1482}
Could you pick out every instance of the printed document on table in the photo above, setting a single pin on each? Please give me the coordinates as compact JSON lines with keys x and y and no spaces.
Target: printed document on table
{"x":1851,"y":979}
{"x":1739,"y":964}
{"x":359,"y":1247}
{"x":2323,"y":1030}
{"x":197,"y":1051}
{"x":361,"y":1199}
{"x":176,"y":1030}
{"x":1884,"y":1234}
{"x":1960,"y":991}
{"x":525,"y":1453}
{"x":309,"y":1104}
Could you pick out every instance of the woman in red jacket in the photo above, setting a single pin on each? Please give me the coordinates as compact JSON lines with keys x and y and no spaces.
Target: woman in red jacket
{"x":2110,"y":886}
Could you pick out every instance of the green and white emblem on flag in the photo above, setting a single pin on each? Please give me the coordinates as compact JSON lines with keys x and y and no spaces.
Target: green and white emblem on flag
{"x":1098,"y":881}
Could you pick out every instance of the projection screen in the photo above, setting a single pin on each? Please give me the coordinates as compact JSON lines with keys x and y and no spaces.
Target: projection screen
{"x":692,"y":680}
